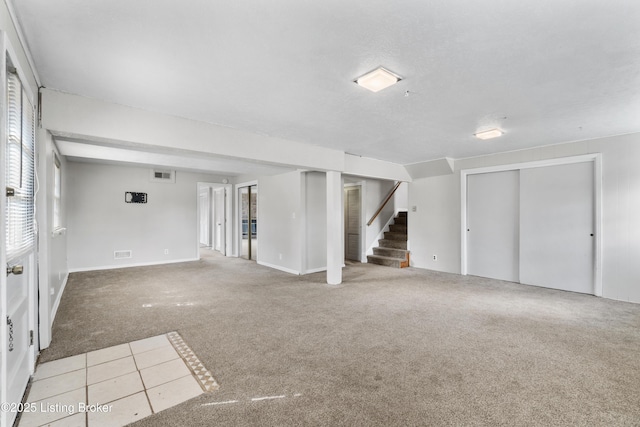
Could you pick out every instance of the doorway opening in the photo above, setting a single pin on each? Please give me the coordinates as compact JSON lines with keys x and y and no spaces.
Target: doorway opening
{"x":205,"y":209}
{"x":353,"y":223}
{"x":249,"y":222}
{"x":213,"y":210}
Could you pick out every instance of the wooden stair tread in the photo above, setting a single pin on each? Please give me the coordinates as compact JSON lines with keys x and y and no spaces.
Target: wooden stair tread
{"x":386,"y":257}
{"x":393,"y":245}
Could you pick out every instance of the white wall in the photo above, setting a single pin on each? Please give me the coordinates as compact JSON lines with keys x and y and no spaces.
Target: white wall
{"x":316,"y":222}
{"x":401,"y":198}
{"x":100,"y":222}
{"x":435,"y":227}
{"x":279,"y":222}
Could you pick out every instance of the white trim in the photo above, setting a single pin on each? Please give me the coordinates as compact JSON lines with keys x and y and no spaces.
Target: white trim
{"x":23,"y":79}
{"x":199,"y":187}
{"x":56,"y":304}
{"x":463,"y":221}
{"x":315,"y":270}
{"x":278,"y":267}
{"x":363,"y":221}
{"x":21,"y":40}
{"x":596,"y":158}
{"x":229,"y":220}
{"x":624,"y":300}
{"x":597,"y":220}
{"x":363,"y":218}
{"x":535,"y":164}
{"x":238,"y":216}
{"x":302,"y":222}
{"x":228,"y":212}
{"x":141,"y":264}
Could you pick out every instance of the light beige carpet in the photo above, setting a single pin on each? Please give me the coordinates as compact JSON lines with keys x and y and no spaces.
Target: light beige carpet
{"x":386,"y":348}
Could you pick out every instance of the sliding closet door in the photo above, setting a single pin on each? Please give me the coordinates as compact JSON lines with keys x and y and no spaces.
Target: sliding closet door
{"x":557,"y":227}
{"x":492,"y":225}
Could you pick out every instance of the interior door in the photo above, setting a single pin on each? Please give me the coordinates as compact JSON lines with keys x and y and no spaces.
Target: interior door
{"x":220,"y":219}
{"x":18,"y":326}
{"x":557,"y":227}
{"x":352,"y":223}
{"x":493,"y":225}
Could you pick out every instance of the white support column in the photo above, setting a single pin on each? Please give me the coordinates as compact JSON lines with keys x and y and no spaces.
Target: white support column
{"x":335,"y":257}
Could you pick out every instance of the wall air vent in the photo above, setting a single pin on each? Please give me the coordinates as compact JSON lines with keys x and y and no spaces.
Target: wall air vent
{"x":163,"y":175}
{"x":122,"y":254}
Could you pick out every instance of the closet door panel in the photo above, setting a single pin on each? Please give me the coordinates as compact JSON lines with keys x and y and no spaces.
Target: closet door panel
{"x":557,"y":227}
{"x":492,"y":225}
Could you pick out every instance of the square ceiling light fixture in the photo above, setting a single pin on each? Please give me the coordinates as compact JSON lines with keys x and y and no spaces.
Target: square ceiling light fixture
{"x":488,"y":134}
{"x":378,"y":79}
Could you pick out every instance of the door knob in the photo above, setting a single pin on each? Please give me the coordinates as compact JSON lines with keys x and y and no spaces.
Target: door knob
{"x":16,"y":269}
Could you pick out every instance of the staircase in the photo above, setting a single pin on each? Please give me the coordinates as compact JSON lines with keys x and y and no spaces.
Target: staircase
{"x":392,"y":250}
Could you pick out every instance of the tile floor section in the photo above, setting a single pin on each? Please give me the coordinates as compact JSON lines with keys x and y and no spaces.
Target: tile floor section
{"x":116,"y":386}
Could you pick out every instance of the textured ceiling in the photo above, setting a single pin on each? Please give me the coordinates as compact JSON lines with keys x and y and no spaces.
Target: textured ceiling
{"x":545,"y":71}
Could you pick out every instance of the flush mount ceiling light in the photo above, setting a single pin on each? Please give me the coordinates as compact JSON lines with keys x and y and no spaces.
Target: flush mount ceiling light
{"x":488,"y":134}
{"x":378,"y":79}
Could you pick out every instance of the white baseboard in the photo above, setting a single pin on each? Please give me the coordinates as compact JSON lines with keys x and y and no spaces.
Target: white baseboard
{"x":278,"y":267}
{"x":142,"y":264}
{"x":315,"y":270}
{"x":56,"y":304}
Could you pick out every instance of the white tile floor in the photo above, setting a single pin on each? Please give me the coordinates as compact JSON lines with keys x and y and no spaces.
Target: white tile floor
{"x":116,"y":386}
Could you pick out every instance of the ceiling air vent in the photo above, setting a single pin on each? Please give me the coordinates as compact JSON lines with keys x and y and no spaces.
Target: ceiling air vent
{"x":122,"y":254}
{"x":159,"y":175}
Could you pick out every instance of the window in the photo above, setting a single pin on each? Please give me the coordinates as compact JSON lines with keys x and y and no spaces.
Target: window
{"x":57,"y":193}
{"x":19,"y":170}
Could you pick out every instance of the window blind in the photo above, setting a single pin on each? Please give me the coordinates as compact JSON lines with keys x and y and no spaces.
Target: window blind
{"x":19,"y":170}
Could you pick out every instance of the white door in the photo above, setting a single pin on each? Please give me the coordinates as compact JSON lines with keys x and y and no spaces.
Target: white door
{"x":17,"y":290}
{"x":16,"y":358}
{"x":557,"y":227}
{"x":492,"y":225}
{"x":220,"y":219}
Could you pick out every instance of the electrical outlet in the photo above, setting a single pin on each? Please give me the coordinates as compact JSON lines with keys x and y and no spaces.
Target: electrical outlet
{"x":166,"y":251}
{"x":280,"y":256}
{"x":435,"y":257}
